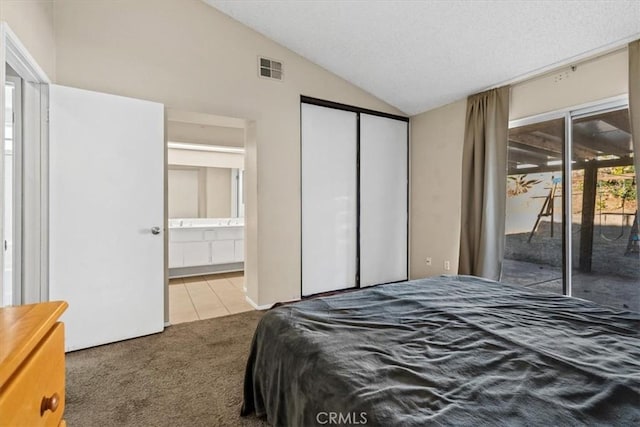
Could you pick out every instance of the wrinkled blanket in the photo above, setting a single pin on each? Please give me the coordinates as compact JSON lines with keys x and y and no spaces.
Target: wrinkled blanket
{"x":452,"y":350}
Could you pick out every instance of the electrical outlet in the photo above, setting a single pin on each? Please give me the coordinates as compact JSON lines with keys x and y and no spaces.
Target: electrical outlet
{"x":429,"y":261}
{"x":447,"y":265}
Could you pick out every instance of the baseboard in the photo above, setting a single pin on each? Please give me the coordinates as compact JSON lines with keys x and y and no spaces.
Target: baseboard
{"x":256,"y":306}
{"x":266,"y":306}
{"x":205,"y":269}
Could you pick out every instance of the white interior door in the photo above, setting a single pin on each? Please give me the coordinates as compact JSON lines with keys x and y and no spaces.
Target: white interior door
{"x":383,"y":200}
{"x":106,"y":195}
{"x":329,"y":199}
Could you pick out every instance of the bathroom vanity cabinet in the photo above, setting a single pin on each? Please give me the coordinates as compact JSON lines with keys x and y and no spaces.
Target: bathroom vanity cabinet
{"x":194,"y":243}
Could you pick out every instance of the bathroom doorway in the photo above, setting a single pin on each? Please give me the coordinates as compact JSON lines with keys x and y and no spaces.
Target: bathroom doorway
{"x":205,"y":206}
{"x":24,"y":208}
{"x":11,"y":283}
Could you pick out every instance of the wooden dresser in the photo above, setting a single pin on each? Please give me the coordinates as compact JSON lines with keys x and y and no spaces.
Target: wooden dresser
{"x":32,"y":365}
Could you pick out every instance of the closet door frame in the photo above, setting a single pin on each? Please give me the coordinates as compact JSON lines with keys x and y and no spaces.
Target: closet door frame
{"x":358,"y":110}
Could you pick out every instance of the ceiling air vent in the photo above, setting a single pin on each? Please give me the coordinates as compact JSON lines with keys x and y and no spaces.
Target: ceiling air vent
{"x":269,"y":68}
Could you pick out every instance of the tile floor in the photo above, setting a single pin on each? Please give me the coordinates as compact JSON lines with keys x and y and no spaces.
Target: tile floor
{"x":204,"y":297}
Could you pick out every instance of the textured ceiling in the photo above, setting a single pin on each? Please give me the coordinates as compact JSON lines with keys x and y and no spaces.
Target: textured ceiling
{"x":418,"y":55}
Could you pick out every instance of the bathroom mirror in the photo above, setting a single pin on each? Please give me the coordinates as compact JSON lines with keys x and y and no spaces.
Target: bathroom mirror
{"x":205,"y":192}
{"x":205,"y":166}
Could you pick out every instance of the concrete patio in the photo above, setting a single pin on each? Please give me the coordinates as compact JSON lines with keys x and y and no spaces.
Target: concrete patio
{"x":614,"y":279}
{"x":606,"y":289}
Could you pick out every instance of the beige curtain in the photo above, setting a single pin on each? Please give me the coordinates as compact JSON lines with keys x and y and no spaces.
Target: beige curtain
{"x":484,"y":181}
{"x":634,"y":104}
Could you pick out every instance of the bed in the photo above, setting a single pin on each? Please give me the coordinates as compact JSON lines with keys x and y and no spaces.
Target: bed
{"x":451,"y":350}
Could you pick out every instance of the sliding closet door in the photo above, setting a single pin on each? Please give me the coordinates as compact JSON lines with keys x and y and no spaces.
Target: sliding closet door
{"x":383,"y":200}
{"x":329,"y":199}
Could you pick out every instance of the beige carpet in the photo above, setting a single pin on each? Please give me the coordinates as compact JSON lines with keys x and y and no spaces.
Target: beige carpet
{"x":189,"y":375}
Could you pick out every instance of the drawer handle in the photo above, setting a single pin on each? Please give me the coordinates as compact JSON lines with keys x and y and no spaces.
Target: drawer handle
{"x":49,"y":404}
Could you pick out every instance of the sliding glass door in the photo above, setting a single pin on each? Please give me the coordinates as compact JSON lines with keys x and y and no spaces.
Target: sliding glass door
{"x":576,"y":236}
{"x":605,"y":264}
{"x":534,"y":233}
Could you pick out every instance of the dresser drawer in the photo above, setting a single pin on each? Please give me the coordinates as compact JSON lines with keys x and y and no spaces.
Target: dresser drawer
{"x":33,"y":385}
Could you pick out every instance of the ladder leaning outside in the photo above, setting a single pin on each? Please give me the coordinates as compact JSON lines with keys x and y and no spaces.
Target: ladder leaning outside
{"x":633,"y":246}
{"x":547,"y":208}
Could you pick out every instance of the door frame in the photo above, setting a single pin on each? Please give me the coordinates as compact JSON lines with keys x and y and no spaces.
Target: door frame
{"x":34,"y":239}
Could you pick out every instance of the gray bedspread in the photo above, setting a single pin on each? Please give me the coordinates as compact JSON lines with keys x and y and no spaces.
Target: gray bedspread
{"x":452,"y":350}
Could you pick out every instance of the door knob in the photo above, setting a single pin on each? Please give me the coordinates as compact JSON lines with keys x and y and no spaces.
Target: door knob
{"x":155,"y":230}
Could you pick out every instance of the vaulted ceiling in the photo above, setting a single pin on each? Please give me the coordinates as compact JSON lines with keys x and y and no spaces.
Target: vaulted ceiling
{"x":418,"y":55}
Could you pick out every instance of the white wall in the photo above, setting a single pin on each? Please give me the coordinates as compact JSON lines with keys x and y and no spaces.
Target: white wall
{"x":207,"y":159}
{"x":437,"y":138}
{"x":191,"y":57}
{"x":436,"y":170}
{"x":591,"y":81}
{"x":202,"y":134}
{"x":251,"y":211}
{"x":33,"y":22}
{"x":522,"y":209}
